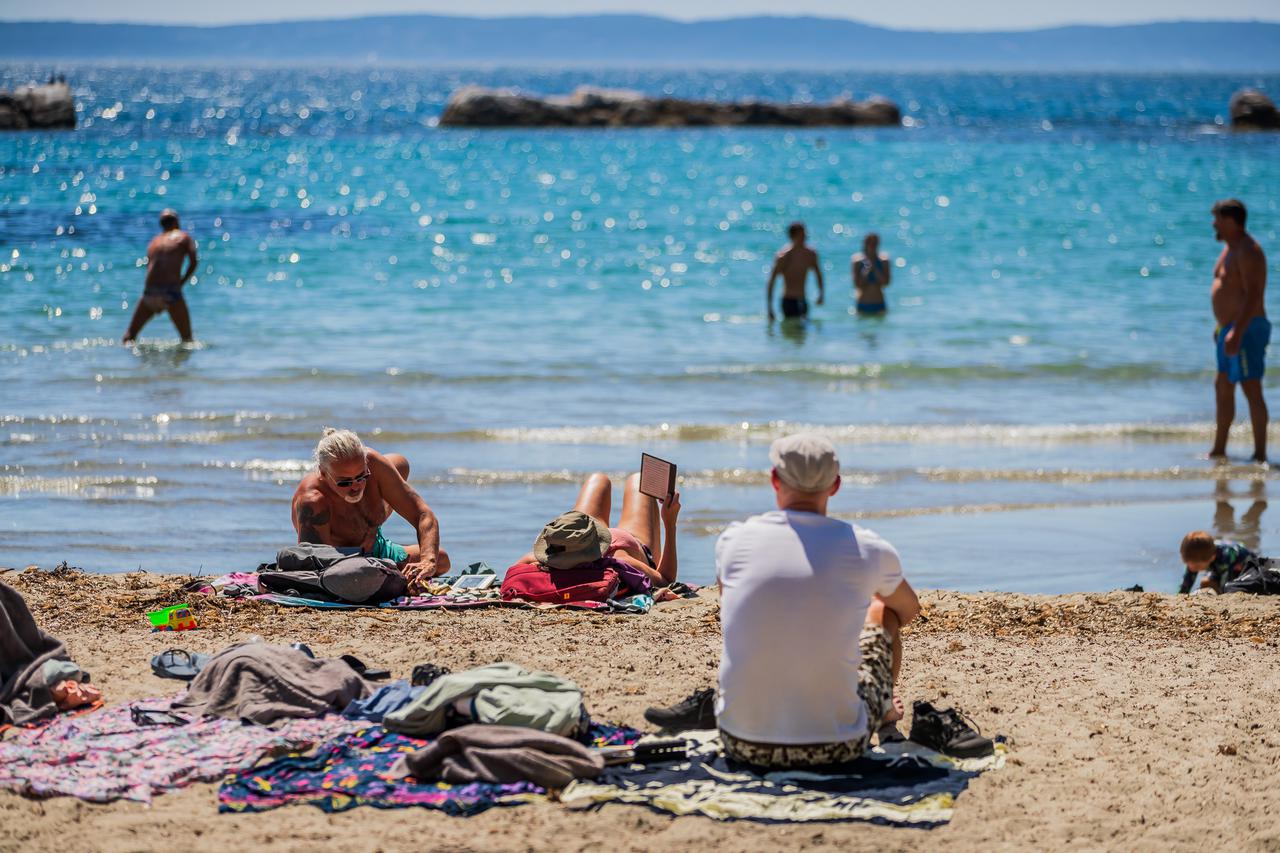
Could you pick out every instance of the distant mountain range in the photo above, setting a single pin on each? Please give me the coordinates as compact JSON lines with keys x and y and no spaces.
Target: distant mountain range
{"x":636,"y":40}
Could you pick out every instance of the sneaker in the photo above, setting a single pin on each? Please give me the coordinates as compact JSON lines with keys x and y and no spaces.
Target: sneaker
{"x":888,"y":733}
{"x":948,"y":731}
{"x":425,"y":673}
{"x":698,"y":711}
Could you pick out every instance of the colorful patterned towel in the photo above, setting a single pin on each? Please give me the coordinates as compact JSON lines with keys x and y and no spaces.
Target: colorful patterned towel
{"x":479,"y":598}
{"x":106,"y":756}
{"x":354,"y":771}
{"x":901,"y":784}
{"x":243,"y":585}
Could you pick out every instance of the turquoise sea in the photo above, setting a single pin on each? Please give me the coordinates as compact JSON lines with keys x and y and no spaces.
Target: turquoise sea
{"x":512,"y":309}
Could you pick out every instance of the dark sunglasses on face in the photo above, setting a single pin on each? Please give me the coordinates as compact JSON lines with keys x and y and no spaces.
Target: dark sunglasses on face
{"x":348,"y":482}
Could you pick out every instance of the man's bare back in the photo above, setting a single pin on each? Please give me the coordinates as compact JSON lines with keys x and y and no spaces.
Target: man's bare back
{"x":794,"y":263}
{"x":165,"y":256}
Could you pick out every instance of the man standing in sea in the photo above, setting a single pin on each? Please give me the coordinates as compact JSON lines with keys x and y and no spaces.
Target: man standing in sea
{"x":162,"y":289}
{"x":793,"y":264}
{"x":1238,"y":296}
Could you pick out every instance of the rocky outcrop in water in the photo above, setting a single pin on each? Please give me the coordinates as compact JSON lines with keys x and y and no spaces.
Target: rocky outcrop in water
{"x":587,"y":107}
{"x":1252,"y":110}
{"x":38,"y":107}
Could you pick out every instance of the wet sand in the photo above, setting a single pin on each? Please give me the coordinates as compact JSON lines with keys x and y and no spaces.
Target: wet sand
{"x":1138,"y":720}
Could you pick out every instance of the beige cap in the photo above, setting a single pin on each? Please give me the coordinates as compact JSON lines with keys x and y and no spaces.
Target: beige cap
{"x":571,"y":539}
{"x":806,"y":461}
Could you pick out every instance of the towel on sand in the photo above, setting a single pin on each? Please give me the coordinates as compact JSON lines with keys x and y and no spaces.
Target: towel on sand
{"x":263,"y":683}
{"x":26,"y":691}
{"x":497,"y":754}
{"x":109,"y":756}
{"x":899,"y":784}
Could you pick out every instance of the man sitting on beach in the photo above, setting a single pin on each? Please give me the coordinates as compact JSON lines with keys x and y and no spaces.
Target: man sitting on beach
{"x":793,"y":264}
{"x":811,"y":610}
{"x":162,"y":288}
{"x":352,"y":492}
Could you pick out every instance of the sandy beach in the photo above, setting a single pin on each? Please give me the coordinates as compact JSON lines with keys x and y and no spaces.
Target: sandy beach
{"x":1138,"y":721}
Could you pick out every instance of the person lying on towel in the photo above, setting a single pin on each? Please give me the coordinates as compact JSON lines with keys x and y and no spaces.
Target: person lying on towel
{"x":637,"y":541}
{"x":352,"y":492}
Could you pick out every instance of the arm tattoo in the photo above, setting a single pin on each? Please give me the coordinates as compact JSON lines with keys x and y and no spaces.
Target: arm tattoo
{"x":308,"y":522}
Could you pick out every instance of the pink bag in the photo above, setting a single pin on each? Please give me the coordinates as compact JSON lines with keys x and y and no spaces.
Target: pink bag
{"x":531,"y":582}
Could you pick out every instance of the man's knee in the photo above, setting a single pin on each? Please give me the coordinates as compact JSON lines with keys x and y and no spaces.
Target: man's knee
{"x":599,"y":480}
{"x":1252,"y":389}
{"x":402,"y":464}
{"x":633,"y":482}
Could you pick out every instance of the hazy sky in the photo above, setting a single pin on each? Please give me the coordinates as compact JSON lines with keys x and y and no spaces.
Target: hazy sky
{"x":907,"y":14}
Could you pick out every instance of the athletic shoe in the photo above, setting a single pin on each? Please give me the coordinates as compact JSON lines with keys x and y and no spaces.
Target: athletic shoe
{"x":948,"y":731}
{"x":425,"y":673}
{"x":698,"y":711}
{"x":888,"y":733}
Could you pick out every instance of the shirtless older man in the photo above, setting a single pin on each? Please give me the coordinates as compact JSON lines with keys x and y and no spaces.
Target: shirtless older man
{"x":162,"y":289}
{"x":1238,"y":295}
{"x":352,"y":492}
{"x":793,"y":264}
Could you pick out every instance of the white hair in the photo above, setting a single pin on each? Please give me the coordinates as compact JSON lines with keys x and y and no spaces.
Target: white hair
{"x":338,"y":445}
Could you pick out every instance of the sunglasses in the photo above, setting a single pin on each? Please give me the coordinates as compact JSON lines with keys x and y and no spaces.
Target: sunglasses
{"x":348,"y":482}
{"x":156,"y":717}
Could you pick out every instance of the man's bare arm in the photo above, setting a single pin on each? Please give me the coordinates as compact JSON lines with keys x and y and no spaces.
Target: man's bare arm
{"x":192,"y":259}
{"x":773,"y":277}
{"x":311,"y":519}
{"x":903,"y":602}
{"x":888,"y":271}
{"x":410,"y":506}
{"x":817,"y":271}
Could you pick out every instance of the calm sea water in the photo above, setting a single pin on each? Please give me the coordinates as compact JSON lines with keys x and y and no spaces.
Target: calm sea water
{"x":512,"y":309}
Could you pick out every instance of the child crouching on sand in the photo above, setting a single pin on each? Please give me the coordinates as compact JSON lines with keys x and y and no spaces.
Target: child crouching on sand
{"x":1221,"y":559}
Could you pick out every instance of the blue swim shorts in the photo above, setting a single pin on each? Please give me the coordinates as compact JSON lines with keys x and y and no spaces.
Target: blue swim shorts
{"x":1251,"y":361}
{"x":388,"y":550}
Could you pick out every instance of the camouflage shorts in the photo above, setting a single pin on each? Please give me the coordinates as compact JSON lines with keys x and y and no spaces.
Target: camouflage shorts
{"x":875,"y":686}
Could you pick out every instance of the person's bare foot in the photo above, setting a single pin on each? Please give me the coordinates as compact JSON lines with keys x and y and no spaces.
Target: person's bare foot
{"x":888,"y":729}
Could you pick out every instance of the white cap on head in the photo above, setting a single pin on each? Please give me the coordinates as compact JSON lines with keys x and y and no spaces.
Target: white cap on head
{"x":806,"y":462}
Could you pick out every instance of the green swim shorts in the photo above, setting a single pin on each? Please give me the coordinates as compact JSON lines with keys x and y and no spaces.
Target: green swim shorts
{"x":385,"y":549}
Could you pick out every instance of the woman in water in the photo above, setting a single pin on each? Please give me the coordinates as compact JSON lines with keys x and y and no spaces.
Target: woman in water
{"x":871,"y":275}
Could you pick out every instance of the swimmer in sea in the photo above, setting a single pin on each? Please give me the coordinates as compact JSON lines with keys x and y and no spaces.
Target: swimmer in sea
{"x":793,"y":264}
{"x":162,"y":290}
{"x":871,"y":275}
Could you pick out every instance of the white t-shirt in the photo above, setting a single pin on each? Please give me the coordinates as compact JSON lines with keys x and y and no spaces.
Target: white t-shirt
{"x":795,"y":591}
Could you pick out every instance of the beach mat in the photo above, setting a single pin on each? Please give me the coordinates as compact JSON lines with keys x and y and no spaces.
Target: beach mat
{"x":900,"y":784}
{"x":356,"y":770}
{"x":630,"y":604}
{"x":108,"y":756}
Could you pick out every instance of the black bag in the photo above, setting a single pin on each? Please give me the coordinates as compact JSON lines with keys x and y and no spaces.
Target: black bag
{"x":323,"y":573}
{"x":1260,"y":577}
